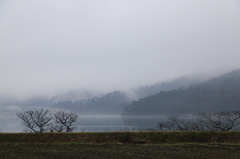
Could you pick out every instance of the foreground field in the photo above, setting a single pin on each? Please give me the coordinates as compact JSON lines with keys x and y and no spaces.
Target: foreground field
{"x":127,"y":145}
{"x":119,"y":151}
{"x":122,"y":137}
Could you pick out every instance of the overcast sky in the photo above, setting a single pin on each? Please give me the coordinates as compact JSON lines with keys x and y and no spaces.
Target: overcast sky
{"x":51,"y":46}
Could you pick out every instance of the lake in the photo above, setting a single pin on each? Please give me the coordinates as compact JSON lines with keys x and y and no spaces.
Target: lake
{"x":9,"y":122}
{"x":106,"y":123}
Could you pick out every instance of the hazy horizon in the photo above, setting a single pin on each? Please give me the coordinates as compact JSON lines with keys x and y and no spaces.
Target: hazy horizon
{"x":51,"y":47}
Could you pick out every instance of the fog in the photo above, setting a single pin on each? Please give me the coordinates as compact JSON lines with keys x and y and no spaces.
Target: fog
{"x":10,"y":123}
{"x":49,"y":47}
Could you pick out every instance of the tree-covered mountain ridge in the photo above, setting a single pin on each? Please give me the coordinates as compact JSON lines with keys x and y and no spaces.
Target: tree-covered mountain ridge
{"x":216,"y":94}
{"x":115,"y":102}
{"x":111,"y":103}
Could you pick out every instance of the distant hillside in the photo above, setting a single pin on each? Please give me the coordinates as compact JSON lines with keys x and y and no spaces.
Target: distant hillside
{"x":73,"y":96}
{"x":166,"y":86}
{"x":111,"y":103}
{"x":115,"y":102}
{"x":221,"y":93}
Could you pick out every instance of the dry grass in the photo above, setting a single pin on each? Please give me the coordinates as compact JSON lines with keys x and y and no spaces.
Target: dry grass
{"x":119,"y":151}
{"x":122,"y":137}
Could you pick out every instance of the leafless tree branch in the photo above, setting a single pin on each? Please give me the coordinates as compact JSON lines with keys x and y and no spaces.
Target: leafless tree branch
{"x":66,"y":119}
{"x":38,"y":119}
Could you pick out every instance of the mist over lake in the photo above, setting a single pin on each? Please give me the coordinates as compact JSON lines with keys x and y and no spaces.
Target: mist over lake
{"x":119,"y":111}
{"x":118,"y":63}
{"x":99,"y":123}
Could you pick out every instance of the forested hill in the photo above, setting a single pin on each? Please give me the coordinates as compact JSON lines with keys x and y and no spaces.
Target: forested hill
{"x":115,"y":102}
{"x":166,"y":86}
{"x":111,"y":103}
{"x":221,"y":93}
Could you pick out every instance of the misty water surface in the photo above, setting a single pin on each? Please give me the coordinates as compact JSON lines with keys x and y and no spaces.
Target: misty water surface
{"x":105,"y":123}
{"x":9,"y":122}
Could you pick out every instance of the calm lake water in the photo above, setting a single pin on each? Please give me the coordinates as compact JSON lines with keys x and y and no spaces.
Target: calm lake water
{"x":9,"y":122}
{"x":106,"y":123}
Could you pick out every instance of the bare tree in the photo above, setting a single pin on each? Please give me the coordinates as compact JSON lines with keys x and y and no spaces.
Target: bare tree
{"x":57,"y":128}
{"x":38,"y":119}
{"x":180,"y":124}
{"x":65,"y":119}
{"x":160,"y":126}
{"x":166,"y":126}
{"x":83,"y":129}
{"x":197,"y":125}
{"x":220,"y":121}
{"x":177,"y":123}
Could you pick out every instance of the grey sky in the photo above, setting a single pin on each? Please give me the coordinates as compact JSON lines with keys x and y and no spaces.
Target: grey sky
{"x":49,"y":46}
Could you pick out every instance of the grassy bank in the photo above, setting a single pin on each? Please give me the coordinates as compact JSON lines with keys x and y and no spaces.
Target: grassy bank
{"x":122,"y":137}
{"x":119,"y":151}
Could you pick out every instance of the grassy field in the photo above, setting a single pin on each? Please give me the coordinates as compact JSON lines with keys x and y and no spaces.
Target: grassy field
{"x":122,"y":137}
{"x":121,"y":145}
{"x":120,"y":151}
